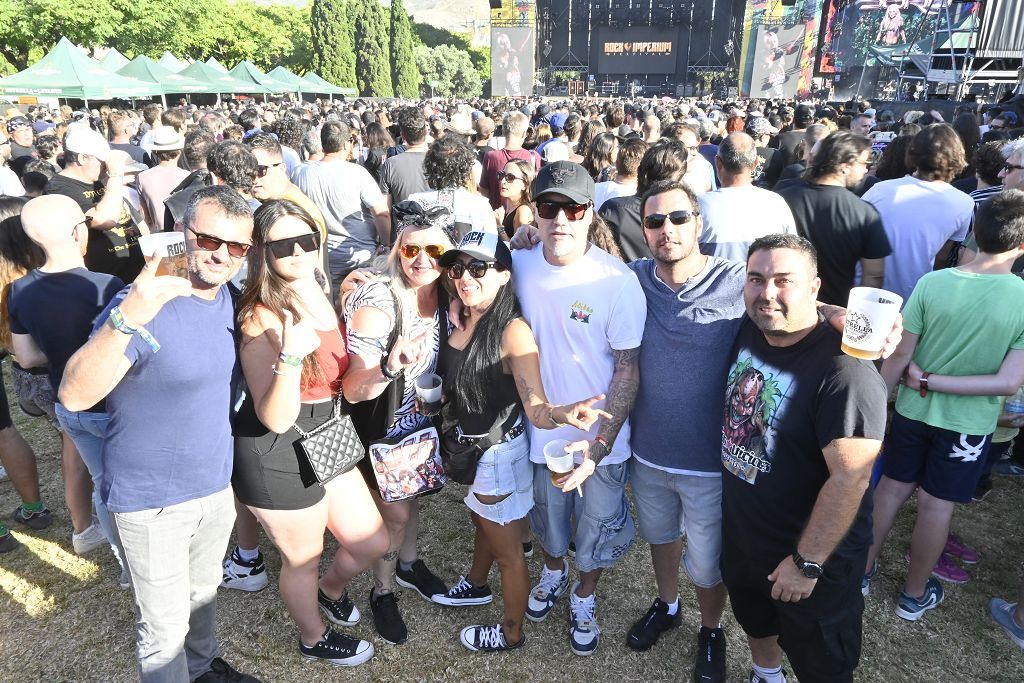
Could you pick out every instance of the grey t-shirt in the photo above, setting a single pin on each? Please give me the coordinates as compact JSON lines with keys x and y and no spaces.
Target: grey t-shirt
{"x":345,"y":193}
{"x":684,"y":359}
{"x":402,"y":175}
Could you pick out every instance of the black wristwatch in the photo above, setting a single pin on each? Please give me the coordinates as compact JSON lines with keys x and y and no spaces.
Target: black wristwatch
{"x":811,"y":570}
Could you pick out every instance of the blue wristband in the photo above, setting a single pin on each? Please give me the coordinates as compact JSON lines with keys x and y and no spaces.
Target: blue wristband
{"x":117,"y":320}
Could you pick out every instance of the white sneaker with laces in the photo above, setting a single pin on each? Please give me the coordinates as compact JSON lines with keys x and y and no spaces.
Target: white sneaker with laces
{"x":244,"y":575}
{"x":545,"y":594}
{"x":584,"y":632}
{"x":90,"y":539}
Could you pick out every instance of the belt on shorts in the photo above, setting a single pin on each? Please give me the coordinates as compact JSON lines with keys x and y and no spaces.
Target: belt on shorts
{"x":518,"y":429}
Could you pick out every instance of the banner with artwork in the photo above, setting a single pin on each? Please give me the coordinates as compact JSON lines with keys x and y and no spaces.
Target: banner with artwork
{"x":777,"y":57}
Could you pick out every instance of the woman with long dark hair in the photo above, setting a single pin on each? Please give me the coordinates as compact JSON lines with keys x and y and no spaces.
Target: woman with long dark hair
{"x":293,"y":356}
{"x":515,"y":187}
{"x":377,"y":141}
{"x":600,"y":157}
{"x":591,"y":129}
{"x":492,"y":382}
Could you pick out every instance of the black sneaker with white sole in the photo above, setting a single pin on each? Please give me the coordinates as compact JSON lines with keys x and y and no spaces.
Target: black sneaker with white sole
{"x":465,"y":594}
{"x":648,"y":629}
{"x":488,"y":639}
{"x":419,"y":578}
{"x":387,"y":620}
{"x":338,"y":649}
{"x":341,"y":611}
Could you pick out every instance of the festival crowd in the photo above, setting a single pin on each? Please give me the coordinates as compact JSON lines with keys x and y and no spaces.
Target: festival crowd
{"x":558,"y":307}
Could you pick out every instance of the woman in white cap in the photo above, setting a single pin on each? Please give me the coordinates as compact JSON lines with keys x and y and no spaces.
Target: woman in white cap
{"x":492,"y":385}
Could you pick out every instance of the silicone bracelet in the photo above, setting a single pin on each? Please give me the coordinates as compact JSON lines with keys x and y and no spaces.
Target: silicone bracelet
{"x":294,"y":361}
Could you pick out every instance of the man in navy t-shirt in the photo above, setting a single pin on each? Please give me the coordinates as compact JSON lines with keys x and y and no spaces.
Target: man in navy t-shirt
{"x":163,"y":355}
{"x":51,"y":311}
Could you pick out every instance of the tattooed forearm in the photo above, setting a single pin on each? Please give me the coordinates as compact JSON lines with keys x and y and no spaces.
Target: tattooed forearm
{"x":621,"y":395}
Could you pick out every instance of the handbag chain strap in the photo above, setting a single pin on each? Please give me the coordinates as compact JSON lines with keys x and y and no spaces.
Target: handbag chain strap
{"x":335,"y":416}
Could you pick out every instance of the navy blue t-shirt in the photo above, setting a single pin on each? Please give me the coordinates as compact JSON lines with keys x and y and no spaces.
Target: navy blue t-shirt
{"x":169,"y":438}
{"x":58,"y":310}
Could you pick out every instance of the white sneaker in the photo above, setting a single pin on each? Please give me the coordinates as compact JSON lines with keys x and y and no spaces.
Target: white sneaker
{"x":545,"y":594}
{"x":90,"y":539}
{"x":244,"y":575}
{"x":584,"y":633}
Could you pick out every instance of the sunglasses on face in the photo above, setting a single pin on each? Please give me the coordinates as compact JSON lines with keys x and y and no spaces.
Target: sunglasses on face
{"x":502,"y":175}
{"x":411,"y":251}
{"x":573,"y":211}
{"x":476,"y":268}
{"x":284,"y":248}
{"x":655,"y":221}
{"x":262,"y":171}
{"x":211,"y":243}
{"x":1010,"y":168}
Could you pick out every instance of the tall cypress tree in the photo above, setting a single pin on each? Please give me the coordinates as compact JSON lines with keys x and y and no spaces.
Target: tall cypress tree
{"x":333,"y":35}
{"x":373,"y":74}
{"x":404,"y":75}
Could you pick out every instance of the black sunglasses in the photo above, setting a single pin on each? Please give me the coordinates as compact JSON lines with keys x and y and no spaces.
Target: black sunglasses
{"x":654,"y":221}
{"x":573,"y":211}
{"x":1010,"y":168}
{"x":262,"y":171}
{"x":476,"y":268}
{"x":284,"y":248}
{"x":211,"y":243}
{"x":502,"y":175}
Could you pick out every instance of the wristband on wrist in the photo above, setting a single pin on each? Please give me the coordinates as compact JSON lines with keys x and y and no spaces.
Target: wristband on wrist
{"x":286,"y":373}
{"x":287,"y":359}
{"x":117,"y":320}
{"x":388,"y":375}
{"x":551,"y":416}
{"x":924,"y":384}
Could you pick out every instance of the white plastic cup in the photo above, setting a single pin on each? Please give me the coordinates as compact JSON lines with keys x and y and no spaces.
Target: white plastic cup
{"x":170,"y":246}
{"x":870,"y":315}
{"x":428,"y":394}
{"x":559,"y":461}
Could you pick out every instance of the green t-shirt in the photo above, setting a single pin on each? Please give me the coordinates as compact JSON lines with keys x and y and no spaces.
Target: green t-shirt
{"x":967,"y":323}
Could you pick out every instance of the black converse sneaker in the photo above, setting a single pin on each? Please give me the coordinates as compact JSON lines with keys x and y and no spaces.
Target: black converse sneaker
{"x":710,"y":660}
{"x":488,"y":639}
{"x":419,"y":578}
{"x":340,"y":611}
{"x":387,"y":619}
{"x":338,"y":649}
{"x":464,"y":594}
{"x":244,"y":575}
{"x":645,"y":633}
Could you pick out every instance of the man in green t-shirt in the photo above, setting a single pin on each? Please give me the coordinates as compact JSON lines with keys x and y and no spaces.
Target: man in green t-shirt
{"x":962,"y":348}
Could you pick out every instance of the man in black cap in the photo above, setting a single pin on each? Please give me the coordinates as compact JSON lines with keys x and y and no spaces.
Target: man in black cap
{"x":588,"y":313}
{"x":19,"y":130}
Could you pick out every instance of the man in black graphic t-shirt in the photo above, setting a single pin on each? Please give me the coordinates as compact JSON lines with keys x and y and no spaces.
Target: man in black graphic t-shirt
{"x":801,"y":426}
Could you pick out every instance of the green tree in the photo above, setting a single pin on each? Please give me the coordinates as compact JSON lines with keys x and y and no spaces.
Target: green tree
{"x":404,"y":76}
{"x":332,"y":32}
{"x":451,"y":69}
{"x":29,"y":28}
{"x":373,"y":73}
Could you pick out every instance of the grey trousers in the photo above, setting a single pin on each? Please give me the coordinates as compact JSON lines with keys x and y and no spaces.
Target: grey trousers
{"x":174,"y":556}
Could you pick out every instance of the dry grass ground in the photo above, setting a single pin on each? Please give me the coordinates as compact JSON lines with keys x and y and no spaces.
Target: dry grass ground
{"x":63,"y":618}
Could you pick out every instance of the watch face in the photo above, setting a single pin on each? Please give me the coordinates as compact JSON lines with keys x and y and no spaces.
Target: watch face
{"x":811,"y":570}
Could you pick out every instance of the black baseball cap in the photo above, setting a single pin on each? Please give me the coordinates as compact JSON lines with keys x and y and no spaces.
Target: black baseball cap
{"x":566,"y":178}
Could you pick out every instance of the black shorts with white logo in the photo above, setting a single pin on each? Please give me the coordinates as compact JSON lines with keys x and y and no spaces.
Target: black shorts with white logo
{"x":821,"y":635}
{"x":946,"y":464}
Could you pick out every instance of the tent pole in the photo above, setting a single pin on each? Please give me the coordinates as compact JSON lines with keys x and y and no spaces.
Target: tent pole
{"x":163,"y":100}
{"x":86,"y":103}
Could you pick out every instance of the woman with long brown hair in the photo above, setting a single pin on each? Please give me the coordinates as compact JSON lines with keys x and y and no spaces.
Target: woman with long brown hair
{"x":515,"y":187}
{"x":293,"y":355}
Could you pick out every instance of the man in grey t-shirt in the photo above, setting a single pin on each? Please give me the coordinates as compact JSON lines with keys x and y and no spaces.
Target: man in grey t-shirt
{"x":356,"y":214}
{"x":402,"y":175}
{"x":694,"y":310}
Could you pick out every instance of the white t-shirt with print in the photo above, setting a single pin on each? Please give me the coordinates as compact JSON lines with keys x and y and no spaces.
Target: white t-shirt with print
{"x":919,"y":216}
{"x":580,"y":314}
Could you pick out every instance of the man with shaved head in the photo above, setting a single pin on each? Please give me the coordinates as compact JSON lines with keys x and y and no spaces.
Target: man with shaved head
{"x":51,"y":312}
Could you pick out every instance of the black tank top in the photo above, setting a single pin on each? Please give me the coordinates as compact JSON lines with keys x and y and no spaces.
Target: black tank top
{"x":503,"y":407}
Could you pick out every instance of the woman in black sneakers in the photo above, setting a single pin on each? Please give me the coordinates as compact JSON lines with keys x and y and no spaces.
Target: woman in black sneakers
{"x":293,"y":356}
{"x":492,"y":383}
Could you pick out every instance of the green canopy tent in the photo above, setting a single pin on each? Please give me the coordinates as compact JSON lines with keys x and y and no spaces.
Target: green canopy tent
{"x":248,"y":72}
{"x":221,"y":82}
{"x":212,"y":61}
{"x":298,"y":83}
{"x":328,"y":87}
{"x":171,"y":63}
{"x":145,"y":69}
{"x":66,"y":72}
{"x":113,"y":60}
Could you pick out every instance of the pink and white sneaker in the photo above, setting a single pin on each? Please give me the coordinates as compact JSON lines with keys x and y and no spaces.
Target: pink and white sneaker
{"x":947,"y":570}
{"x":961,"y":551}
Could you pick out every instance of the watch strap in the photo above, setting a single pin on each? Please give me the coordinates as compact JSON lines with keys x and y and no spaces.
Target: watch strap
{"x":924,"y":384}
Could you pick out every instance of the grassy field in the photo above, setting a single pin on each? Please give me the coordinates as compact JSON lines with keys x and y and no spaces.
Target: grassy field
{"x":63,"y":618}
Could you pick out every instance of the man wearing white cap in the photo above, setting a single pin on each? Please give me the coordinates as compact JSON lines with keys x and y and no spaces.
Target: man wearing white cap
{"x":155,"y":185}
{"x":113,"y":233}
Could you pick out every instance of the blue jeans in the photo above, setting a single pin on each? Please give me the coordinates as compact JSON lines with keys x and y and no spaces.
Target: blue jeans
{"x":87,"y":430}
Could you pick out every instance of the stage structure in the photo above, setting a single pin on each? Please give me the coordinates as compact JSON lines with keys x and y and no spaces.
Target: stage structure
{"x":645,"y":47}
{"x":779,"y":40}
{"x":513,"y":44}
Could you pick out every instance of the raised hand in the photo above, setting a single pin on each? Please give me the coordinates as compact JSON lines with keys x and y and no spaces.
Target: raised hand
{"x":150,"y":292}
{"x":581,"y":414}
{"x":407,"y":352}
{"x":298,"y":339}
